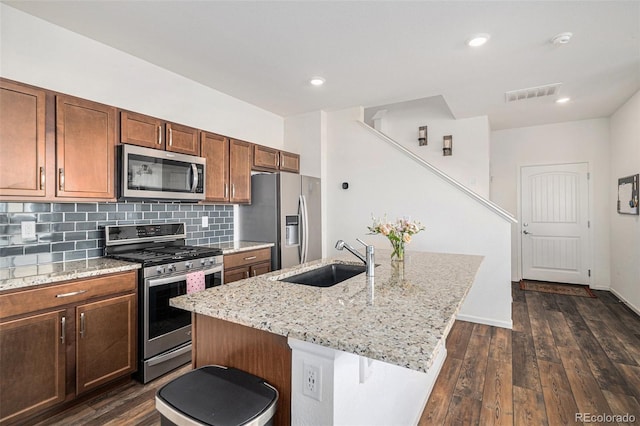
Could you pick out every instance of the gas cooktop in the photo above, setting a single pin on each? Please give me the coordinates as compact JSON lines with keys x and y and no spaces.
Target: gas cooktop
{"x":159,"y":255}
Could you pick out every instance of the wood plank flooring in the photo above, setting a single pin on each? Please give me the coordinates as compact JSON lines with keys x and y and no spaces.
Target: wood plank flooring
{"x":565,"y":355}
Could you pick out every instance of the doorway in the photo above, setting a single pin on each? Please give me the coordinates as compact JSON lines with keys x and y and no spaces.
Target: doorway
{"x":555,"y":223}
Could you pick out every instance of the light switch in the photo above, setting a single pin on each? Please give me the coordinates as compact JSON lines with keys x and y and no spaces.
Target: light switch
{"x":28,"y":230}
{"x":205,"y":221}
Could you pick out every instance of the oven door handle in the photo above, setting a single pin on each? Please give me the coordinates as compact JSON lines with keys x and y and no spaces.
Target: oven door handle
{"x":169,"y":355}
{"x":182,"y":277}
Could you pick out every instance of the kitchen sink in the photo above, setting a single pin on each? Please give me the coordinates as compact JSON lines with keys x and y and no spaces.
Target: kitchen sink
{"x":327,"y":275}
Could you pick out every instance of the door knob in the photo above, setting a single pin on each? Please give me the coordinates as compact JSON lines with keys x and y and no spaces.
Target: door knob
{"x":526,"y":232}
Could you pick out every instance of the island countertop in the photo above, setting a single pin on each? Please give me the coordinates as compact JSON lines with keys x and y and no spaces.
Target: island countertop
{"x":399,"y":317}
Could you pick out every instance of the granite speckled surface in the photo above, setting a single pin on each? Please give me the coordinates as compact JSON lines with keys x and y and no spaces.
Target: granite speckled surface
{"x":28,"y":276}
{"x":399,"y":317}
{"x":240,"y":246}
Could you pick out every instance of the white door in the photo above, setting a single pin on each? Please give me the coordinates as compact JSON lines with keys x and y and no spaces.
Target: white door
{"x":555,"y":223}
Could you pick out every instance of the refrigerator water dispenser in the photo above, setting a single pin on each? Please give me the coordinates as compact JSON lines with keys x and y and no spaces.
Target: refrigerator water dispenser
{"x":292,"y":235}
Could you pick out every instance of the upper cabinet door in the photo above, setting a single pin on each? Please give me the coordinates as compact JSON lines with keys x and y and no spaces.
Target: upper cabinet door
{"x":142,"y":130}
{"x":85,"y":148}
{"x":182,"y":139}
{"x":22,"y":140}
{"x":265,"y":158}
{"x":240,"y":160}
{"x":289,"y":162}
{"x":215,"y":149}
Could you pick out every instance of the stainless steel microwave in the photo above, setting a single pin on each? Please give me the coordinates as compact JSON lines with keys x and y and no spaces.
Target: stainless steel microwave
{"x":147,"y":173}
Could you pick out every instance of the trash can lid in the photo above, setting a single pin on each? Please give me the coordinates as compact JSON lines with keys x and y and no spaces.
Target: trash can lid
{"x":219,"y":396}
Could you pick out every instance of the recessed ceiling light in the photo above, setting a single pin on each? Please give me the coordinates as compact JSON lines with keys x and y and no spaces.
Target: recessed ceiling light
{"x":562,"y":100}
{"x":478,"y":40}
{"x":317,"y":81}
{"x":562,"y":38}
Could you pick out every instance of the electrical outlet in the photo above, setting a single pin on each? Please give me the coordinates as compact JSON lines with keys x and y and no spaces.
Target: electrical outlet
{"x":205,"y":221}
{"x":312,"y":381}
{"x":28,"y":228}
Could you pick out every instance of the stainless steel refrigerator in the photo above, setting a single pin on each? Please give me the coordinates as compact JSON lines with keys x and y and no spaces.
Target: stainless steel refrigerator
{"x":284,"y":210}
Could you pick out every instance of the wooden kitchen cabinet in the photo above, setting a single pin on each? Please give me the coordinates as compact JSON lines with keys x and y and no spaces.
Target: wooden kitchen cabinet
{"x":22,"y":140}
{"x":85,"y":149}
{"x":142,"y":130}
{"x":228,"y":168}
{"x":105,"y":341}
{"x":240,"y":160}
{"x":32,"y":364}
{"x":270,"y":159}
{"x":59,"y":341}
{"x":245,"y":264}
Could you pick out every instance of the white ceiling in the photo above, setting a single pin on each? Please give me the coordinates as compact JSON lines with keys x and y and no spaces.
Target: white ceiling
{"x":375,"y":52}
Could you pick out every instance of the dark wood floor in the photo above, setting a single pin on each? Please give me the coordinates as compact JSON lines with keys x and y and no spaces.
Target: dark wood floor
{"x":565,"y":355}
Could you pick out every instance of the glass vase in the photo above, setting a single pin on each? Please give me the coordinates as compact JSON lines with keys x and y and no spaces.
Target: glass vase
{"x":398,"y":250}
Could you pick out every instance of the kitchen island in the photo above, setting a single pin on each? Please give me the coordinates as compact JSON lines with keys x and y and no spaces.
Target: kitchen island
{"x":363,"y":340}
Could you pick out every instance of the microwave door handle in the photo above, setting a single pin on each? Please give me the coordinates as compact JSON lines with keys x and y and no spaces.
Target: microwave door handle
{"x":194,"y":179}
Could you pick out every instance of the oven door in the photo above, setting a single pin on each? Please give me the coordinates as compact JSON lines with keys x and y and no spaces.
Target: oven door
{"x":165,"y":327}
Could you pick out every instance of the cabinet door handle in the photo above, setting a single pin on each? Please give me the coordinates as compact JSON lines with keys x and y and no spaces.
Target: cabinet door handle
{"x":246,"y":274}
{"x":226,"y":190}
{"x":233,"y":190}
{"x":61,"y":179}
{"x":159,"y":135}
{"x":63,"y":323}
{"x":278,"y":160}
{"x":255,"y":272}
{"x":170,"y":136}
{"x":82,"y":330}
{"x":250,"y":257}
{"x":42,"y":178}
{"x":73,"y":293}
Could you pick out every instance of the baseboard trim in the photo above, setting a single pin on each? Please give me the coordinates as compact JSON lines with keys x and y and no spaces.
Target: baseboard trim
{"x":485,"y":321}
{"x":625,"y":301}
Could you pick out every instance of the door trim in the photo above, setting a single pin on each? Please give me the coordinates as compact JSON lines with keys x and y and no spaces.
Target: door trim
{"x":517,"y":227}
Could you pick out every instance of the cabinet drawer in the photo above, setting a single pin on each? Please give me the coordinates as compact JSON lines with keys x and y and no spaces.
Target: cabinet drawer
{"x":247,"y":258}
{"x":25,"y":301}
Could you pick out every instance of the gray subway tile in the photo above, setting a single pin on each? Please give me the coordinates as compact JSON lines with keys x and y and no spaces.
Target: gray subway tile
{"x":3,"y":207}
{"x":63,"y":226}
{"x":26,"y":260}
{"x":116,"y":216}
{"x":165,"y":215}
{"x":143,"y":207}
{"x":86,"y":226}
{"x":94,"y":235}
{"x":93,"y":253}
{"x":86,"y":207}
{"x":19,"y":218}
{"x":50,"y":217}
{"x":62,"y":246}
{"x":36,"y":207}
{"x":51,"y":237}
{"x":134,"y":215}
{"x":64,"y":207}
{"x":75,"y":236}
{"x":151,"y":215}
{"x":87,"y":244}
{"x":198,"y":207}
{"x":97,"y":216}
{"x":126,"y":207}
{"x":76,"y":217}
{"x":14,"y":207}
{"x":172,"y":207}
{"x":75,"y":255}
{"x":40,"y":248}
{"x":11,"y":251}
{"x":158,"y":207}
{"x":43,"y":227}
{"x":107,"y":207}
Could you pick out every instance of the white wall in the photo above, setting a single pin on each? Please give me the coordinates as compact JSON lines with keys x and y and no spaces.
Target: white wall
{"x":625,"y":229}
{"x":36,"y":52}
{"x":469,"y":163}
{"x":305,"y":134}
{"x":584,"y":141}
{"x":382,"y":180}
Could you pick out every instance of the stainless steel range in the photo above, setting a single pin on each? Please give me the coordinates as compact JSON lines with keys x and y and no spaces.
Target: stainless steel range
{"x":164,"y":332}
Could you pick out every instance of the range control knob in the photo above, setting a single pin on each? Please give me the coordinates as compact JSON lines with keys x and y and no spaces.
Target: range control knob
{"x":188,"y":265}
{"x":160,"y":270}
{"x":171,"y":268}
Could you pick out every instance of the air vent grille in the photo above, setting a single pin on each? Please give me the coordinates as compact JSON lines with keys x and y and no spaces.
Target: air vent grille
{"x":532,"y":92}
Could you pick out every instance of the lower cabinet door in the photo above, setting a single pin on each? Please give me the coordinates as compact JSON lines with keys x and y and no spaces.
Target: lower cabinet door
{"x":236,"y":274}
{"x":32,"y":364}
{"x":105,"y":341}
{"x":260,"y":268}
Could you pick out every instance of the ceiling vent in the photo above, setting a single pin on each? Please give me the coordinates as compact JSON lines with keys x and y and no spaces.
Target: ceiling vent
{"x":532,"y":92}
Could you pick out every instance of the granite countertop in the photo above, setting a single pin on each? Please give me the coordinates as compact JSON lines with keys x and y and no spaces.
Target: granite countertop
{"x":240,"y":246}
{"x":399,"y":317}
{"x":27,"y":276}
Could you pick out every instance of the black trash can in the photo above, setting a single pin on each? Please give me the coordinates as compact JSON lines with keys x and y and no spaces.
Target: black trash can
{"x":217,"y":396}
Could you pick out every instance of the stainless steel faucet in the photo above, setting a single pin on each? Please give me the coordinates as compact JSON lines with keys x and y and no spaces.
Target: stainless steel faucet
{"x":369,"y":259}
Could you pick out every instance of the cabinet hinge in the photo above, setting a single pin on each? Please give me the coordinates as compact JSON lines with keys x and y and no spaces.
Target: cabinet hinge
{"x":588,"y":175}
{"x":589,"y":271}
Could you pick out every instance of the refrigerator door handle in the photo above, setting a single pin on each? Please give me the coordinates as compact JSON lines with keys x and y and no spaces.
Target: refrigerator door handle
{"x":301,"y":234}
{"x":305,"y":229}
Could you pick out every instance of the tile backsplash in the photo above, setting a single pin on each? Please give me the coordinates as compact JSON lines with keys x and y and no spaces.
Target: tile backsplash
{"x":74,"y":231}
